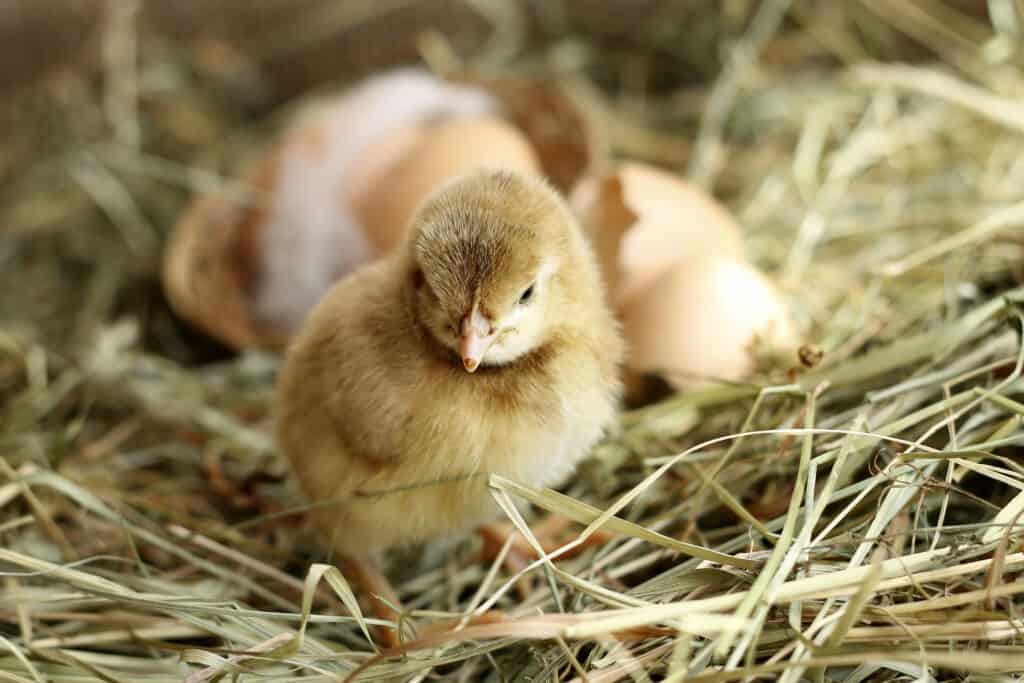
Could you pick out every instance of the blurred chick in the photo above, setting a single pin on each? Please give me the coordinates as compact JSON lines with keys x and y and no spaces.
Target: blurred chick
{"x":484,"y":345}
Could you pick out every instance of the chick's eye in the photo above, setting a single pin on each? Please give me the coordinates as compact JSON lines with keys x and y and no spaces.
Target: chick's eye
{"x":527,"y":294}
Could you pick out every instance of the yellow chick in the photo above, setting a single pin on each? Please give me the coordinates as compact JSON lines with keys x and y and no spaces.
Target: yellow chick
{"x":483,"y":345}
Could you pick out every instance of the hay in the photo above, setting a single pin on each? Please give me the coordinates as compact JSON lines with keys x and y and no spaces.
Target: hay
{"x":849,"y":516}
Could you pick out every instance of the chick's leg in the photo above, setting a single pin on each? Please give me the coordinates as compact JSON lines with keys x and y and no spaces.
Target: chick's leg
{"x":382,"y":601}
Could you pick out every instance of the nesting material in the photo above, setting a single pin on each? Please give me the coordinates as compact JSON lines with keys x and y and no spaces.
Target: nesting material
{"x":852,"y":514}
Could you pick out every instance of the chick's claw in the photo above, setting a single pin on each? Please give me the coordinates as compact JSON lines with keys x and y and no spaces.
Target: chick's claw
{"x":380,"y":599}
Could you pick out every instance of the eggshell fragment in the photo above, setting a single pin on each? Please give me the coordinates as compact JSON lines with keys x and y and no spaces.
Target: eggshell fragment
{"x":213,"y":260}
{"x":248,"y":271}
{"x":643,"y":220}
{"x":338,"y":188}
{"x":312,"y":232}
{"x":567,"y":143}
{"x":440,"y":152}
{"x":703,"y":319}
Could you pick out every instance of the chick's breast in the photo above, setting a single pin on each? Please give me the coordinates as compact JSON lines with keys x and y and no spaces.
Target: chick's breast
{"x":393,"y":444}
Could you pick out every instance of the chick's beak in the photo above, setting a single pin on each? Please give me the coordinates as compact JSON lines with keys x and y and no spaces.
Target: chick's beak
{"x":475,"y":336}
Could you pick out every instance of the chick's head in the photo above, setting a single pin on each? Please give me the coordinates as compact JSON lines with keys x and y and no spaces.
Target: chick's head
{"x":491,"y":263}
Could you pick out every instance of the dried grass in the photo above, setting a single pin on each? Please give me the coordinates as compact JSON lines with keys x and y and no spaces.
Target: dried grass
{"x":854,"y":517}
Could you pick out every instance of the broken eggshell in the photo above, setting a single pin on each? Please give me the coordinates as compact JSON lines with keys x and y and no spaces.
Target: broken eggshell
{"x":339,"y":187}
{"x":692,"y":309}
{"x":642,"y":220}
{"x":213,"y":260}
{"x":705,"y":319}
{"x":444,"y":150}
{"x":311,"y":232}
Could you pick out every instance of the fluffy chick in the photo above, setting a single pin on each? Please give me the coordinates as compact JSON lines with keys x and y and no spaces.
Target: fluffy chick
{"x":483,"y":346}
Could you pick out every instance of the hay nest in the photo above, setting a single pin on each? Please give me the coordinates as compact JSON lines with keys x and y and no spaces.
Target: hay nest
{"x":849,"y":514}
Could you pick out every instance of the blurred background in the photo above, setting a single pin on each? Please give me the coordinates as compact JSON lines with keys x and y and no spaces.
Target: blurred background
{"x":113,"y":107}
{"x":871,"y":150}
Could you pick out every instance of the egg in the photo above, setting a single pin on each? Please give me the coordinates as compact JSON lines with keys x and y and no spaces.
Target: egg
{"x":643,"y":220}
{"x":440,"y":152}
{"x":705,"y":318}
